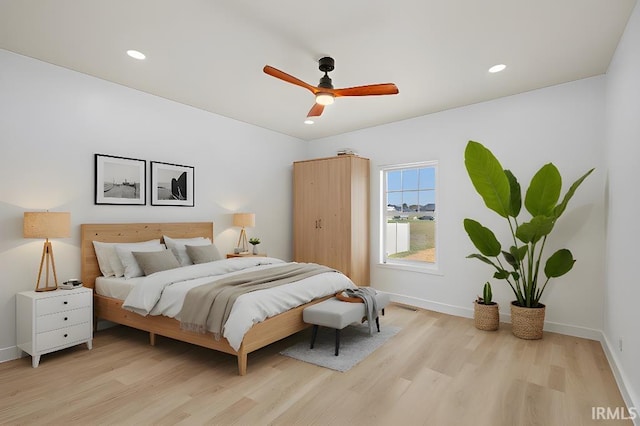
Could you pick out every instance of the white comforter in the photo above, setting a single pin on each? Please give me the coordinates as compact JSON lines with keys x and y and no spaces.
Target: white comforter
{"x":163,"y":293}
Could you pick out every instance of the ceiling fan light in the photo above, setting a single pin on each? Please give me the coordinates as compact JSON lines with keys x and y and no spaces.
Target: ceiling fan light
{"x":308,"y":121}
{"x":324,"y":99}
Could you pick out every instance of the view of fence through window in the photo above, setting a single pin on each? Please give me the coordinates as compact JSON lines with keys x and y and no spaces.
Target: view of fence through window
{"x":411,"y":218}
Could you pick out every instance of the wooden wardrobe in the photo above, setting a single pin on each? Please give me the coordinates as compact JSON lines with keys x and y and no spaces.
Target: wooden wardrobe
{"x":331,"y":214}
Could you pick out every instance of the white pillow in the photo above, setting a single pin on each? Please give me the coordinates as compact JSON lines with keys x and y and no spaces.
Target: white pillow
{"x":124,"y":264}
{"x":178,"y":247}
{"x":104,"y":252}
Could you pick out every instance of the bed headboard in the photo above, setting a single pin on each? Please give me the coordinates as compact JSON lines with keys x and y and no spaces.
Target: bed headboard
{"x":130,"y":233}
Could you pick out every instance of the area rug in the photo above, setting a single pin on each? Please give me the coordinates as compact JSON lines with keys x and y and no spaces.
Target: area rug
{"x":355,"y":345}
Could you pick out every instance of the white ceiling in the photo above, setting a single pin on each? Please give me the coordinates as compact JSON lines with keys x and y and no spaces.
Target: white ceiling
{"x":210,"y":53}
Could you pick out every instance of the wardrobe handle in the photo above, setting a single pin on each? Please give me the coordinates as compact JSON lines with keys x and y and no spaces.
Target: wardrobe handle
{"x":320,"y":223}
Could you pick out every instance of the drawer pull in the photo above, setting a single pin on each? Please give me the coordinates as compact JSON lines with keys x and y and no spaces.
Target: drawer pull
{"x":65,"y":302}
{"x":65,"y":318}
{"x":65,"y":334}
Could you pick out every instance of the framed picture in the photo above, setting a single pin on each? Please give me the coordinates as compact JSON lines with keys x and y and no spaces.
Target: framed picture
{"x":171,"y":185}
{"x":120,"y":180}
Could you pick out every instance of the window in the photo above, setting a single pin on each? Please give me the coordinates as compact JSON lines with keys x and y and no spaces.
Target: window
{"x":409,"y":216}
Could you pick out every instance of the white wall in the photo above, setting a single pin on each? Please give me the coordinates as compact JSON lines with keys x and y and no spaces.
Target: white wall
{"x":563,"y":124}
{"x":621,"y":313}
{"x":53,"y":120}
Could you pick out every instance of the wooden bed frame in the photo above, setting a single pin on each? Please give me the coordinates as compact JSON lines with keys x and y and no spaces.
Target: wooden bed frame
{"x":260,"y":335}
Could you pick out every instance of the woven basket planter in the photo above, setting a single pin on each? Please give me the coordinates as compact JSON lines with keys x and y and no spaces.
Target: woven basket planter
{"x":486,"y":317}
{"x":527,"y":323}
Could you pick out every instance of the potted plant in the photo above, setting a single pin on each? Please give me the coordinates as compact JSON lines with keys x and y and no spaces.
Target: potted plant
{"x":519,"y":262}
{"x":254,"y":242}
{"x":485,"y":311}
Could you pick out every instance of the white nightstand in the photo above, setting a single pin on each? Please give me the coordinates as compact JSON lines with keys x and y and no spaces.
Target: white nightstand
{"x":53,"y":320}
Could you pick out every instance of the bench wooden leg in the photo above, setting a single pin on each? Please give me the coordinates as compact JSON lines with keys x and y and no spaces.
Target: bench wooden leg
{"x":314,"y":333}
{"x":337,"y":341}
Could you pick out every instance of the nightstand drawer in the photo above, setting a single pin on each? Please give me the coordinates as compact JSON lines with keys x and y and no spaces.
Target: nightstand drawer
{"x":63,"y":336}
{"x":63,"y":302}
{"x":62,"y":319}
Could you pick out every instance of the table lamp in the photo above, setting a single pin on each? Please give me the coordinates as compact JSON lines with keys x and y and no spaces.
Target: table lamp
{"x":243,"y":220}
{"x":47,"y":225}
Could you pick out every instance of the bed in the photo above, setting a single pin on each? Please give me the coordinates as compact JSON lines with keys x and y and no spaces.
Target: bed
{"x":108,"y":308}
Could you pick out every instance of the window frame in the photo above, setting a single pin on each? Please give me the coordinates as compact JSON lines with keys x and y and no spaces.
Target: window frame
{"x":396,"y":263}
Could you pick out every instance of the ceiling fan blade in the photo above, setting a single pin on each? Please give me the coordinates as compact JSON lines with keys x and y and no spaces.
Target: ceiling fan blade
{"x":273,"y":72}
{"x":369,"y":90}
{"x":316,"y":110}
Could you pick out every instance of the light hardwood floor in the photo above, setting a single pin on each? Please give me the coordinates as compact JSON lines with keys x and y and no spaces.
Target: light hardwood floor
{"x":439,"y":370}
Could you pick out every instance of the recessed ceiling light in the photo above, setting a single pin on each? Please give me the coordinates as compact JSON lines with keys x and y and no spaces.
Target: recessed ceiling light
{"x":497,"y":68}
{"x":135,"y":54}
{"x":308,"y":121}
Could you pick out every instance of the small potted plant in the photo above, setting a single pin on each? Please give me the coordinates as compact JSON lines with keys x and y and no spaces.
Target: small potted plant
{"x":485,"y":310}
{"x":254,"y":242}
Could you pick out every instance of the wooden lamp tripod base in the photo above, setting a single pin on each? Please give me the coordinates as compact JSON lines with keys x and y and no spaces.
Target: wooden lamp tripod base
{"x":47,"y":256}
{"x":242,"y":241}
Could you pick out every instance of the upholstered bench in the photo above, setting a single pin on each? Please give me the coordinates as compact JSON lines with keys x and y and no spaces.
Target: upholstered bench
{"x":336,"y":314}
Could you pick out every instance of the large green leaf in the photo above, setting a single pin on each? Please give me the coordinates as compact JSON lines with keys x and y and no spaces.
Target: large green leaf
{"x":482,"y":258}
{"x":544,"y":191}
{"x":563,"y":205}
{"x":501,"y":274}
{"x":532,"y":231}
{"x":559,"y":263}
{"x":519,"y":252}
{"x":483,"y":238}
{"x":515,"y":196}
{"x":488,"y":177}
{"x":511,"y":259}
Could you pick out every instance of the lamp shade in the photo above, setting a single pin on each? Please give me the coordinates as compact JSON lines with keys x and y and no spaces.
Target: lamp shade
{"x":47,"y":225}
{"x":244,"y":219}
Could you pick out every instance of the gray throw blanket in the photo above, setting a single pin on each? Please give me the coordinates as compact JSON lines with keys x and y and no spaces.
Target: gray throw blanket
{"x":207,"y":307}
{"x":368,"y":296}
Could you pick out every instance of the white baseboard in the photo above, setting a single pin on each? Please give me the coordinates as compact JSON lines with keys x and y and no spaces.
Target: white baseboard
{"x":569,"y":330}
{"x":621,"y":379}
{"x":10,"y":353}
{"x":431,"y":306}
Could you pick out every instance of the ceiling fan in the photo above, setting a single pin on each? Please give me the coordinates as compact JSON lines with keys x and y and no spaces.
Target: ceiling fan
{"x":324,"y":92}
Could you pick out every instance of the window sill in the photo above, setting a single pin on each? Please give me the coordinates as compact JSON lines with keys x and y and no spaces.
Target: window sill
{"x":431,"y":269}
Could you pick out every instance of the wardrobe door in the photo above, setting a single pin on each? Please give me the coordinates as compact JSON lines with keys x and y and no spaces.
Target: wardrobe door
{"x":307,"y":178}
{"x":360,"y":222}
{"x":334,"y":235}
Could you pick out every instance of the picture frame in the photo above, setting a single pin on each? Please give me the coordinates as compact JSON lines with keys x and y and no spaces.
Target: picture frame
{"x":172,"y":184}
{"x":120,"y":180}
